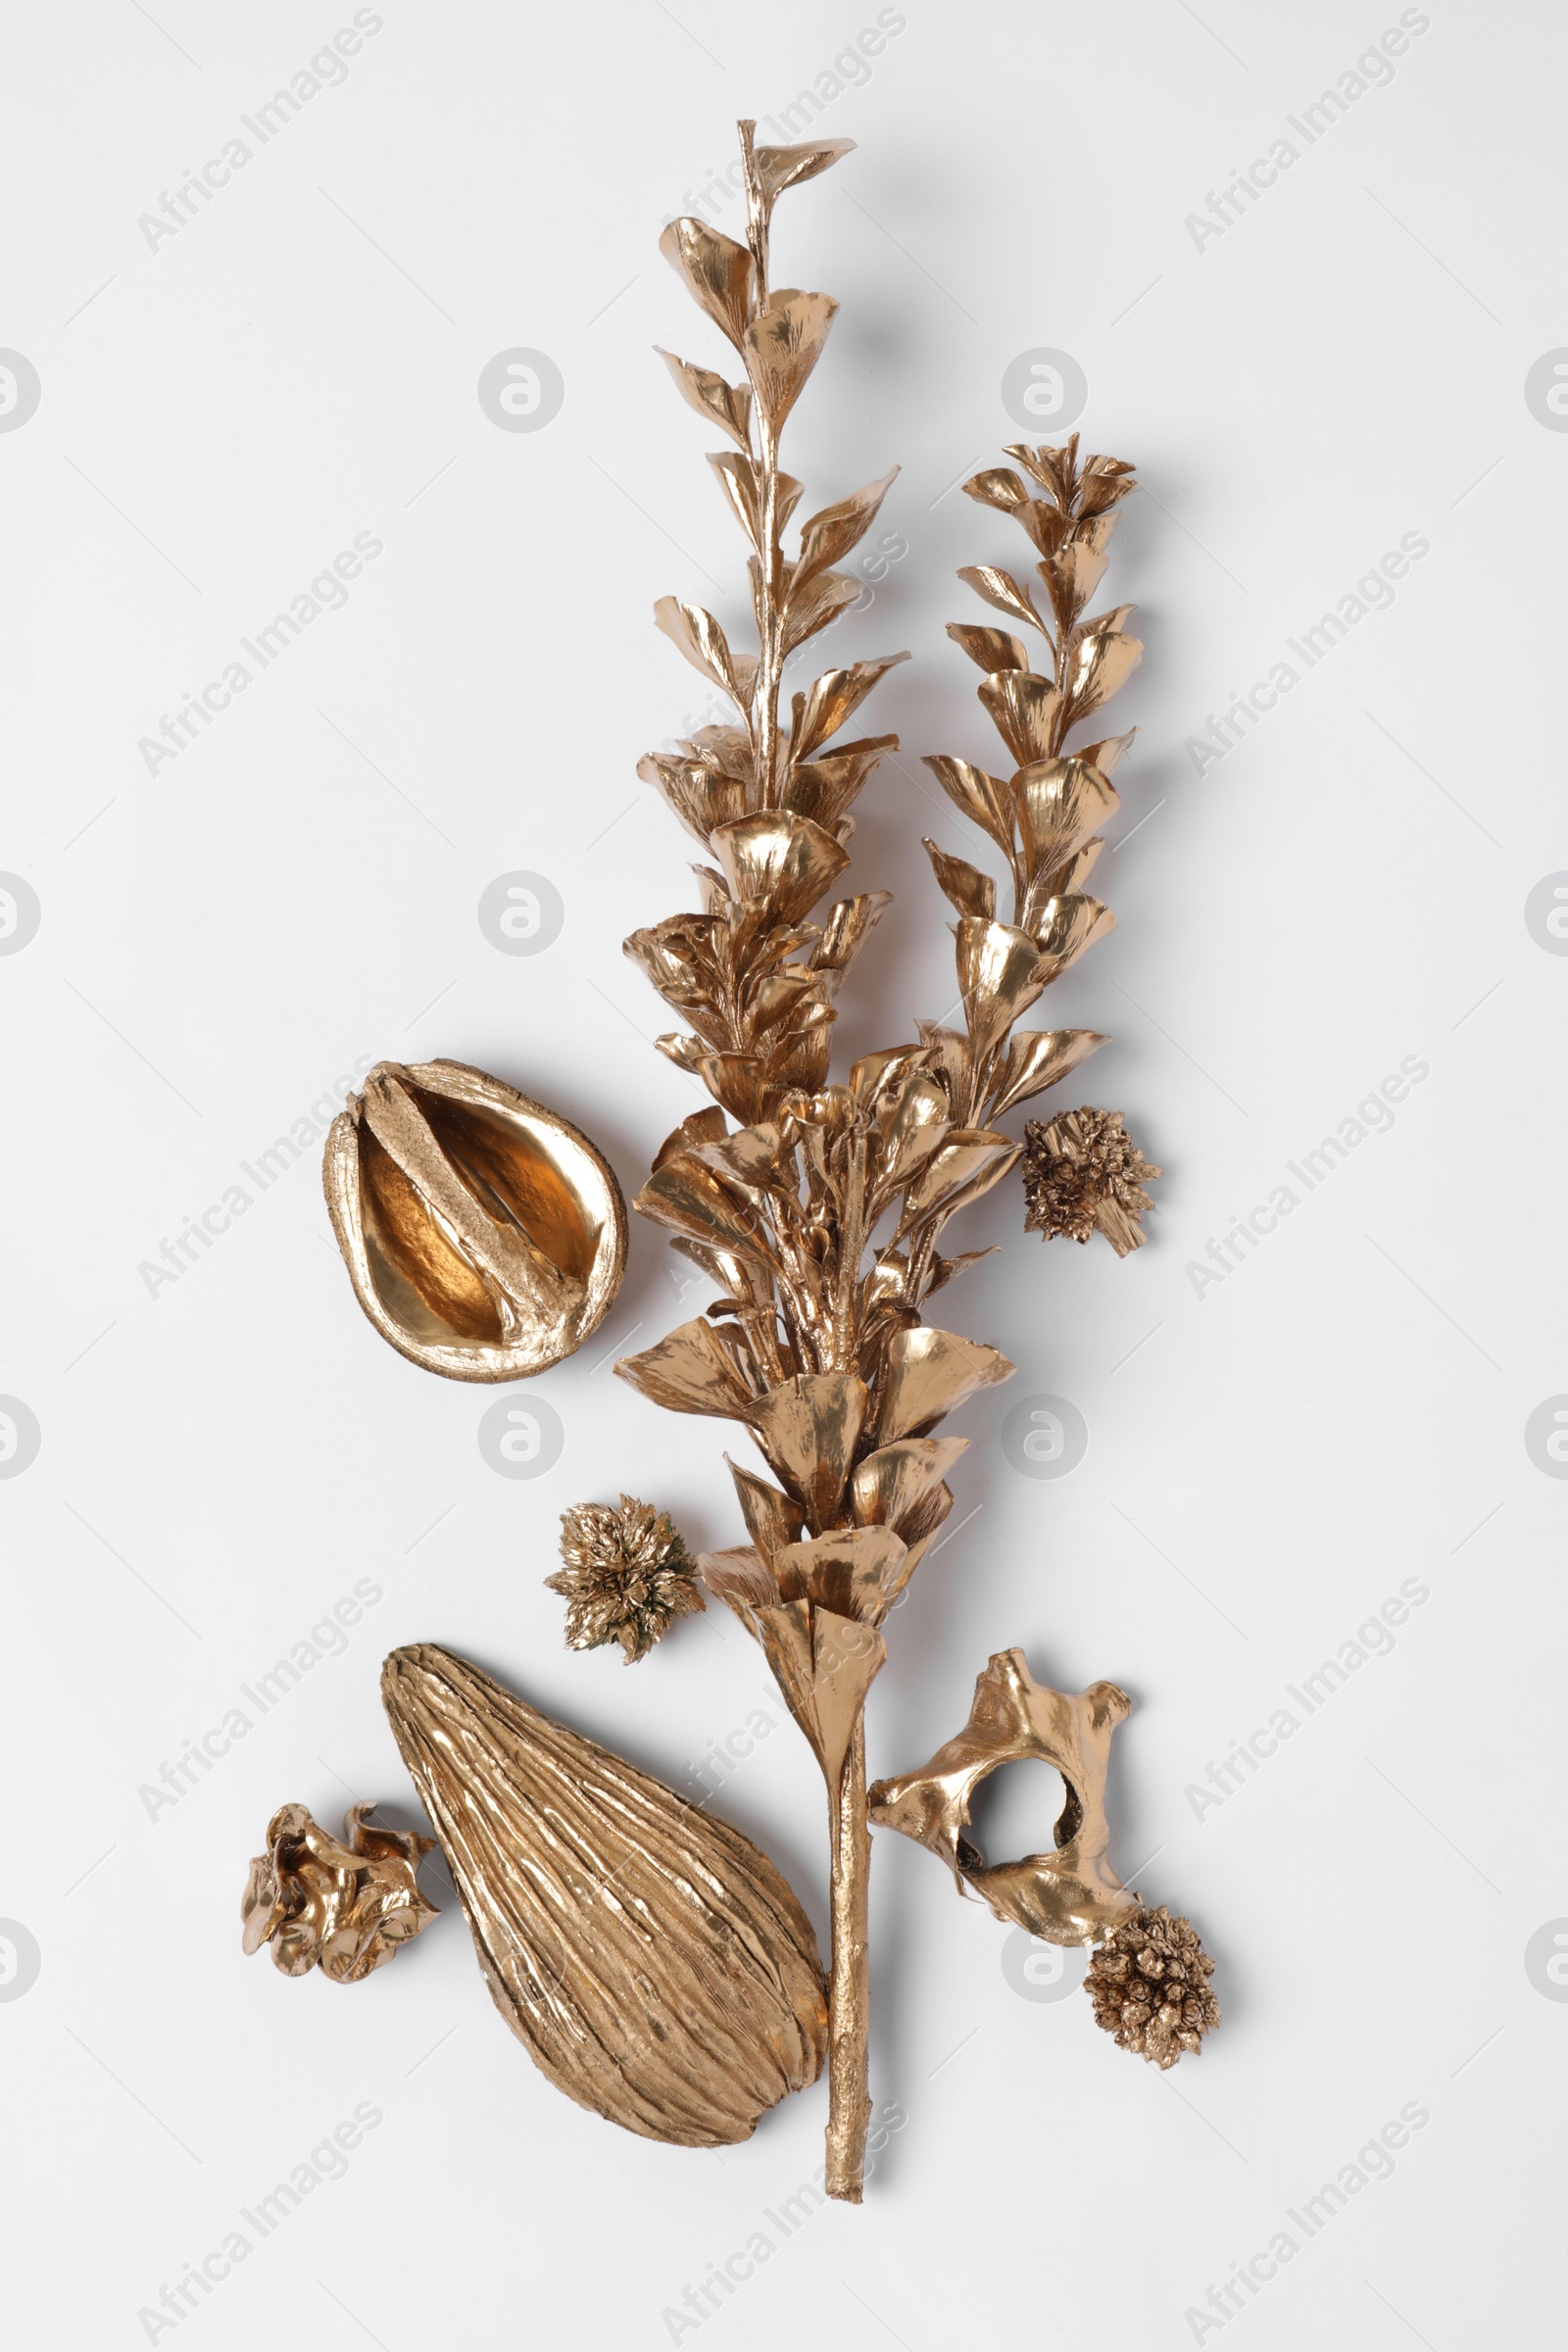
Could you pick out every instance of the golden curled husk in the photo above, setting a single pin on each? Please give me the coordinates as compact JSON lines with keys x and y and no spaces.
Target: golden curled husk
{"x":628,"y":1576}
{"x":485,"y":1236}
{"x":1083,"y":1174}
{"x":1070,"y":1896}
{"x":1149,"y":1983}
{"x":654,"y":1964}
{"x":344,"y":1908}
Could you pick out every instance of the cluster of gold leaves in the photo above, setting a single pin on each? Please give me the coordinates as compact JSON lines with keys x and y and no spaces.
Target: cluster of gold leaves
{"x":816,"y":1341}
{"x":754,"y":978}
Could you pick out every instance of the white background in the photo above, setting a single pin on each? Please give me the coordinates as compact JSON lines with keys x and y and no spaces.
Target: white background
{"x":222,"y":1459}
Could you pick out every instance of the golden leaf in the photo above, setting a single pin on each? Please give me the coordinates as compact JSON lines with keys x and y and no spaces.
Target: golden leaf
{"x":690,"y":1198}
{"x":832,"y":700}
{"x":1046,"y":525}
{"x":1071,"y":576}
{"x":809,"y":1430}
{"x":728,"y":405}
{"x":782,"y":345}
{"x":737,"y":478}
{"x":1099,"y":664}
{"x":965,"y":1165}
{"x":750,"y":1157}
{"x":1061,"y":803}
{"x":720,"y":275}
{"x":991,"y":649}
{"x":997,"y":486}
{"x":947,"y":1269}
{"x":912,"y":1120}
{"x":822,"y":789}
{"x":982,"y":798}
{"x":706,"y":1126}
{"x":773,"y":1519}
{"x":780,"y":858}
{"x":701,"y":795}
{"x":1066,"y":926}
{"x":817,"y":603}
{"x":1070,"y":1896}
{"x":875,"y":1077}
{"x":969,"y":890}
{"x":929,"y":1373}
{"x":919,"y":1530}
{"x":999,"y":976}
{"x":1059,"y":881}
{"x":700,"y":639}
{"x":956,"y":1056}
{"x":1022,"y":707}
{"x":1106,"y":753}
{"x":781,"y":167}
{"x":1038,"y":1059}
{"x":824,"y":1664}
{"x":829,"y":536}
{"x":849,"y":923}
{"x":742,"y":1579}
{"x":690,"y":1370}
{"x":855,"y":1573}
{"x":890,"y":1485}
{"x":1001,"y":589}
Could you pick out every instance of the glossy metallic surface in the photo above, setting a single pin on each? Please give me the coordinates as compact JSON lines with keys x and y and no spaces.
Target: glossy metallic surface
{"x":485,"y":1237}
{"x":1069,"y":1895}
{"x":346,"y":1908}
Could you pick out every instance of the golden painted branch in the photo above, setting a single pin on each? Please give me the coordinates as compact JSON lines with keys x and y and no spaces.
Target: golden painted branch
{"x":849,"y":1998}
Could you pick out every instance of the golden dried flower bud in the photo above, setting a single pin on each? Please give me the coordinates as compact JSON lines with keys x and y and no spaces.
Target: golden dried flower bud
{"x":485,"y":1237}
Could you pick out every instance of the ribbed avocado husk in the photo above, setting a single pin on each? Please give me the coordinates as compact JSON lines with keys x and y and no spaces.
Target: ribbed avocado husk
{"x":651,"y":1960}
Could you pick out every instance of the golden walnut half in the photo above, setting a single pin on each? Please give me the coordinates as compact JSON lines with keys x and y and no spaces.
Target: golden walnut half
{"x":485,"y":1238}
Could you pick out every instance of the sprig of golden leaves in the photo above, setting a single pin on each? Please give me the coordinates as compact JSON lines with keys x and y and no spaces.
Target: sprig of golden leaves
{"x":1044,"y":817}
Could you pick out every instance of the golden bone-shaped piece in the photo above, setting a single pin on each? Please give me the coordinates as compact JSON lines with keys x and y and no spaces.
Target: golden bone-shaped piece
{"x":1072,"y":1895}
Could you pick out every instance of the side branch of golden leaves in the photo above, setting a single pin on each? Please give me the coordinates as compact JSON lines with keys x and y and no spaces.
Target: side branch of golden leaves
{"x":1045,"y":817}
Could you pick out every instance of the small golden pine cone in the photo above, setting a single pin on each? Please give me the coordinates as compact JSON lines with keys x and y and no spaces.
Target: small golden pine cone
{"x":1148,"y":1981}
{"x":1083,"y":1174}
{"x":628,"y":1576}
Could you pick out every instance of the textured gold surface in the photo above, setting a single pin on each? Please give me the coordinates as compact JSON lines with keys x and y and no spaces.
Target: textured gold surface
{"x":628,"y":1576}
{"x":1083,"y":1174}
{"x":651,"y":1960}
{"x":348,"y":1908}
{"x":1149,"y":1983}
{"x":1070,"y":1896}
{"x":485,"y":1237}
{"x":819,"y":1216}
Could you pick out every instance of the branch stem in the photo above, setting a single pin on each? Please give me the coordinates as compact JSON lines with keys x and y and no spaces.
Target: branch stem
{"x":848,"y":2117}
